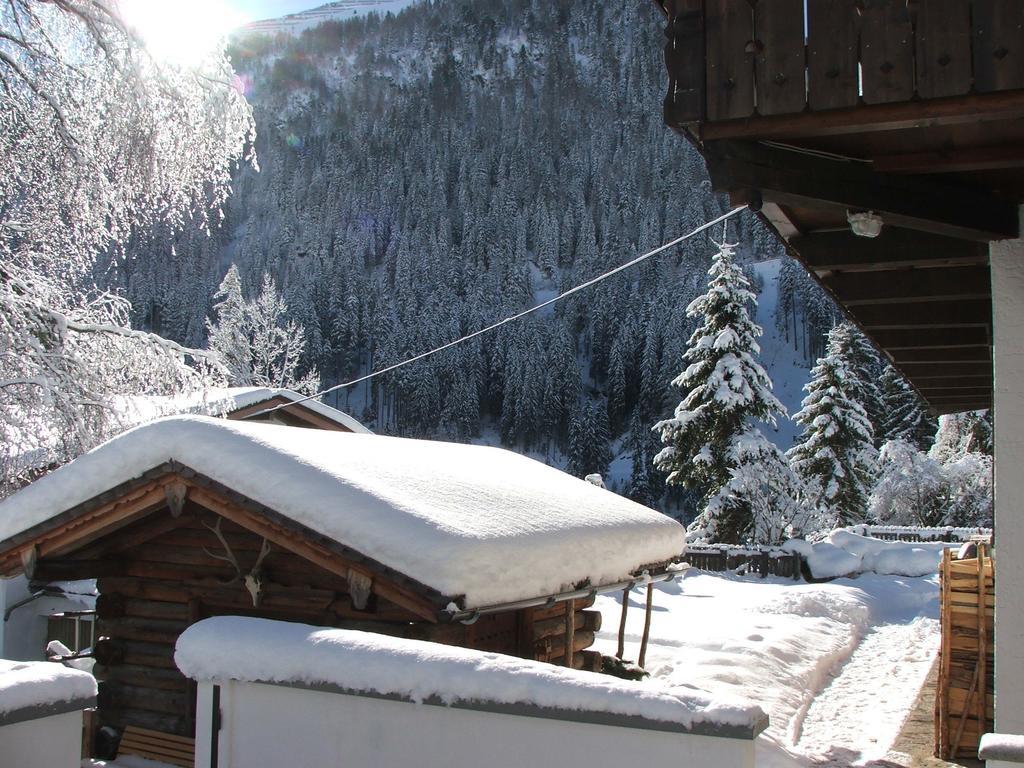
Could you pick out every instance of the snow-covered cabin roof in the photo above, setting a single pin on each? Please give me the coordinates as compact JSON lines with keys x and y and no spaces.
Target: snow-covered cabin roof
{"x":265,"y":651}
{"x":473,"y":521}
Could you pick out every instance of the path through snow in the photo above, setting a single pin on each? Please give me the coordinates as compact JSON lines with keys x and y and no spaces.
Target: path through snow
{"x":835,"y":665}
{"x":858,"y":715}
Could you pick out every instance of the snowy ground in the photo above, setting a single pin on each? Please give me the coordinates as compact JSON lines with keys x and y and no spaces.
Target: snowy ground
{"x":837,"y":666}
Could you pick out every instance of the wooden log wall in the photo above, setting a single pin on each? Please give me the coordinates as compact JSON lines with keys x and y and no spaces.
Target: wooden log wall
{"x":152,"y":591}
{"x":964,"y":701}
{"x":739,"y":58}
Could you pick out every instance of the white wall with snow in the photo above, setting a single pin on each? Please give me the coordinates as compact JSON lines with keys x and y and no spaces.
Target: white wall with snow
{"x":48,"y":742}
{"x":268,"y":726}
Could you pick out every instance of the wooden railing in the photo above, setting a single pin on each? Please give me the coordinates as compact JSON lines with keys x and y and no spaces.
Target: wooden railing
{"x":764,"y":561}
{"x":736,"y":59}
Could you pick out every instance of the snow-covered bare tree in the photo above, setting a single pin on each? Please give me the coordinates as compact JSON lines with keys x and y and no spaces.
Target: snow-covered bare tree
{"x":257,"y":341}
{"x":726,"y":393}
{"x":763,"y":482}
{"x":835,"y":450}
{"x":937,"y":487}
{"x":98,"y":142}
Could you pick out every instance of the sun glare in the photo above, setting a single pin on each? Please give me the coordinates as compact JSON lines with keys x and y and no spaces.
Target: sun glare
{"x":182,"y":32}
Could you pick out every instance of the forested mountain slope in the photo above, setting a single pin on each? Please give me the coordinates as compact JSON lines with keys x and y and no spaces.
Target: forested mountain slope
{"x":424,"y":175}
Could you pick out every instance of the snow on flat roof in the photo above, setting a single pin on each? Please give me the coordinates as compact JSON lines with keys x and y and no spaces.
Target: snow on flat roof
{"x":27,"y":684}
{"x":463,"y":519}
{"x":261,"y":650}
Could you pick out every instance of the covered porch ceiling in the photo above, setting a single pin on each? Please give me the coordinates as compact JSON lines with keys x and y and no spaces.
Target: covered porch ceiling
{"x":914,"y":111}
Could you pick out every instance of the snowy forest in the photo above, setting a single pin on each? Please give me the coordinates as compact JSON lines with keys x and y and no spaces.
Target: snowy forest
{"x":420,"y":176}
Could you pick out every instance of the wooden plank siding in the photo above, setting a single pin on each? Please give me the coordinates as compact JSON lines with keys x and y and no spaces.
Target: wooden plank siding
{"x":740,"y":59}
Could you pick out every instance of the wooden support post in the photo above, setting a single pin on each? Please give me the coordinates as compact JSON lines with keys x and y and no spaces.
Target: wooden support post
{"x":570,"y":630}
{"x":647,"y":626}
{"x":982,"y":640}
{"x":621,"y":647}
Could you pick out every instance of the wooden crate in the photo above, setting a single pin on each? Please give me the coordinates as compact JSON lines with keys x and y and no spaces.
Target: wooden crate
{"x":964,"y":699}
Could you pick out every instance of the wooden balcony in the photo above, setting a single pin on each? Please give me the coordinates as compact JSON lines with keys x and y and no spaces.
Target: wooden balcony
{"x":914,"y":109}
{"x":732,"y":64}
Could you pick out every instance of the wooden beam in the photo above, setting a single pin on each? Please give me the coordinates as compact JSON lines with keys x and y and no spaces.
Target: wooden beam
{"x":907,"y":286}
{"x":973,"y":313}
{"x":1003,"y":105}
{"x":973,"y":382}
{"x":896,"y":339}
{"x":920,"y":371}
{"x":73,"y":570}
{"x":906,"y":357}
{"x":956,"y":393}
{"x":788,"y":177}
{"x":894,"y":248}
{"x":954,"y":160}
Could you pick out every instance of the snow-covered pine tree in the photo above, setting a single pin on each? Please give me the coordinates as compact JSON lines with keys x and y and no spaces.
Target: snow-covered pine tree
{"x":906,"y":415}
{"x":726,"y":392}
{"x":835,"y":451}
{"x":865,"y":368}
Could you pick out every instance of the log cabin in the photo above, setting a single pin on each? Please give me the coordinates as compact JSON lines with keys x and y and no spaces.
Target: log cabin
{"x":882,"y":142}
{"x":191,"y":517}
{"x":60,"y":611}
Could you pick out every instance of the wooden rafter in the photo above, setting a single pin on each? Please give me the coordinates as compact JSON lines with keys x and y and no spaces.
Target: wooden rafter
{"x":974,"y":313}
{"x":893,"y":249}
{"x":787,"y":177}
{"x":907,"y":286}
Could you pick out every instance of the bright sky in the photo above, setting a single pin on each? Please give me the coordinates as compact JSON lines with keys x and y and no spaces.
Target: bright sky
{"x":184,"y":31}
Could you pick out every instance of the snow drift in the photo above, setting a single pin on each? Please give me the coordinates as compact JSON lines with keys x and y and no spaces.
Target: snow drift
{"x":845,"y":553}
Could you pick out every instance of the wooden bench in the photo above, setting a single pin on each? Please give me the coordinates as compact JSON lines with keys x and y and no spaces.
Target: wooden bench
{"x":154,"y":745}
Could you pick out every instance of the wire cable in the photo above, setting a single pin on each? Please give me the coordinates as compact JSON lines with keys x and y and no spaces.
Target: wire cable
{"x":510,"y":318}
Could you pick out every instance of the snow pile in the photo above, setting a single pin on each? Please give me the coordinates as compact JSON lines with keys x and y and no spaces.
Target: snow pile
{"x":1001,"y":746}
{"x":260,"y":650}
{"x":846,"y":553}
{"x":25,"y":684}
{"x":481,"y":522}
{"x":787,"y":646}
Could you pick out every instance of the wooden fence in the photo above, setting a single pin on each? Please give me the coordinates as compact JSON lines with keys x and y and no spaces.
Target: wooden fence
{"x":733,"y":59}
{"x":766,"y":561}
{"x":947,"y":534}
{"x":964,"y":702}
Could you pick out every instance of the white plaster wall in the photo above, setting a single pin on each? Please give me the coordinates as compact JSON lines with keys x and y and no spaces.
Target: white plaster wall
{"x":1007,"y":259}
{"x":49,"y":742}
{"x":270,"y":726}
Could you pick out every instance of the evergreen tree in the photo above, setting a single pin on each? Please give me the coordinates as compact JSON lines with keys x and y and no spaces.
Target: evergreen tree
{"x":906,"y":415}
{"x":835,"y":452}
{"x":726,"y":391}
{"x":589,"y":451}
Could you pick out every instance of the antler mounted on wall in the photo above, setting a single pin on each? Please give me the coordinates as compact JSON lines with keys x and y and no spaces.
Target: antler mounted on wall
{"x":253,"y":578}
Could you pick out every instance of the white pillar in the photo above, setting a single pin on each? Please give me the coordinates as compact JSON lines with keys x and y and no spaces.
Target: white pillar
{"x":1007,"y":258}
